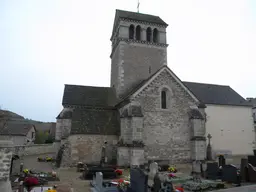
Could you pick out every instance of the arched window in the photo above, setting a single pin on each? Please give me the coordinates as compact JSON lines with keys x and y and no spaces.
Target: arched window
{"x":138,"y":32}
{"x":149,"y":33}
{"x":155,"y":35}
{"x":131,"y":32}
{"x":163,"y":99}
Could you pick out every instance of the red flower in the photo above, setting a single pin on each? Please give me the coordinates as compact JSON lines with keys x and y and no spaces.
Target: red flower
{"x":119,"y":171}
{"x":31,"y":181}
{"x":180,"y":189}
{"x":171,"y":175}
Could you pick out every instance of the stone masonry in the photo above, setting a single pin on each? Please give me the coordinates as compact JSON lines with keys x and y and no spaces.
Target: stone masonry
{"x":6,"y":148}
{"x":166,"y":132}
{"x":129,"y":56}
{"x":86,"y":148}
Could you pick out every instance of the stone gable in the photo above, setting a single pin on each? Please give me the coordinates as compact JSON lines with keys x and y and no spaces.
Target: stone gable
{"x":166,"y":132}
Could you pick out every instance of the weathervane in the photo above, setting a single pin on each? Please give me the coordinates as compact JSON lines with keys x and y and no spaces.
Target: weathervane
{"x":138,"y":6}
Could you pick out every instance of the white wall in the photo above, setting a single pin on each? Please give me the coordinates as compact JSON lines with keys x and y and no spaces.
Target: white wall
{"x":231,"y":128}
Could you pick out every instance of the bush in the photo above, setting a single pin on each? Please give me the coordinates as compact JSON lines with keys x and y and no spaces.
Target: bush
{"x":50,"y":139}
{"x":41,"y":137}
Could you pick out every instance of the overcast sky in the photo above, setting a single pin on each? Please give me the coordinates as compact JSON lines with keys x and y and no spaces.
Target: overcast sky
{"x":45,"y":44}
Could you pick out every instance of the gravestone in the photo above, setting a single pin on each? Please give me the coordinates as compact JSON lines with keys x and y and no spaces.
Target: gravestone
{"x":99,"y":186}
{"x":138,"y":180}
{"x":252,"y":160}
{"x":209,"y":148}
{"x":6,"y":148}
{"x":104,"y":158}
{"x":212,"y":171}
{"x":157,"y":183}
{"x":244,"y":169}
{"x":153,"y":169}
{"x":222,"y":160}
{"x":167,"y":187}
{"x":251,"y":173}
{"x":229,"y":174}
{"x":99,"y":181}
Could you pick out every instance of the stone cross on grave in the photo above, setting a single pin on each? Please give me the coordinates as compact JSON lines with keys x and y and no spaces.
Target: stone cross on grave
{"x":209,"y":148}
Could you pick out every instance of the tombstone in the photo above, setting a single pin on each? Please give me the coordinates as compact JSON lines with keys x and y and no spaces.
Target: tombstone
{"x":252,"y":160}
{"x":157,"y":183}
{"x":244,"y":170}
{"x":153,"y":169}
{"x":212,"y":171}
{"x":222,"y":160}
{"x":104,"y":158}
{"x":209,"y":148}
{"x":251,"y":173}
{"x":138,"y":180}
{"x":167,"y":187}
{"x":98,"y":181}
{"x":6,"y":147}
{"x":230,"y":175}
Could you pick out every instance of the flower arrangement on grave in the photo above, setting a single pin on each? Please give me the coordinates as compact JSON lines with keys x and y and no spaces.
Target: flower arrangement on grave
{"x":171,"y":175}
{"x":26,"y":171}
{"x":48,"y":159}
{"x":122,"y":184}
{"x":172,"y":169}
{"x":119,"y":172}
{"x":30,"y":182}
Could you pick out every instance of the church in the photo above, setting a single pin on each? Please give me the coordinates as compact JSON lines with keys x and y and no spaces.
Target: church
{"x":147,"y":112}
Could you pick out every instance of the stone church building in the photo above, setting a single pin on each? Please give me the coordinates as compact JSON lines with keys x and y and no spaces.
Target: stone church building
{"x":147,"y":113}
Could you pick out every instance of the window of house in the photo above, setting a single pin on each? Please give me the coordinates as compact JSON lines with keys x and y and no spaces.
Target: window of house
{"x":163,"y":100}
{"x":155,"y":35}
{"x":138,"y":32}
{"x":149,"y":33}
{"x":131,"y":32}
{"x":33,"y":135}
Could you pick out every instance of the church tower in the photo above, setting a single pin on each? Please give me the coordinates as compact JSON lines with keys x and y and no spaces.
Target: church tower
{"x":139,"y":49}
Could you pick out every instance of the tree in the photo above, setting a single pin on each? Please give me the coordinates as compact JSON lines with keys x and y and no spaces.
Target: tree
{"x":41,"y":137}
{"x":49,"y":139}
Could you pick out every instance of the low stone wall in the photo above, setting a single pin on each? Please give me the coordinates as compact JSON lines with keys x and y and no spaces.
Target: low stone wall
{"x":36,"y":149}
{"x":87,"y":148}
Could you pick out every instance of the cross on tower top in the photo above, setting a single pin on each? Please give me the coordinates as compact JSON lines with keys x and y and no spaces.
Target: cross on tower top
{"x":138,"y":6}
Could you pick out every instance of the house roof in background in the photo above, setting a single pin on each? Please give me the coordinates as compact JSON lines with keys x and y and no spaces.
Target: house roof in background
{"x":216,"y":94}
{"x":89,"y":96}
{"x":19,"y":128}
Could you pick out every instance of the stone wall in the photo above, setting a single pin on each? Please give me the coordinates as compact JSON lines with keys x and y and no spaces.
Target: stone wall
{"x":127,"y":156}
{"x":86,"y":148}
{"x":166,"y":132}
{"x":63,"y":127}
{"x":5,"y":165}
{"x":34,"y":149}
{"x":133,"y":63}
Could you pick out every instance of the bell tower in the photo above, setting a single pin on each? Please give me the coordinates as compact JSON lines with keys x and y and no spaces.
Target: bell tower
{"x":139,"y":49}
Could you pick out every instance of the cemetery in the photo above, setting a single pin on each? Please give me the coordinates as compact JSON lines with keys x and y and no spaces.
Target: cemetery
{"x":205,"y":175}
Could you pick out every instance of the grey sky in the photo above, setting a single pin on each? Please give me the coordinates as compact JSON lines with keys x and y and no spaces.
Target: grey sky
{"x":45,"y":44}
